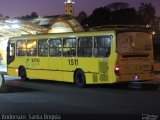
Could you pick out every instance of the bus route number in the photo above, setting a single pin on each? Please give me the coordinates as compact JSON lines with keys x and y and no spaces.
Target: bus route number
{"x":73,"y":61}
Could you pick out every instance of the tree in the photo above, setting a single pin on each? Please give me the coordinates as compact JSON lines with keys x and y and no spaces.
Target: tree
{"x":26,"y":17}
{"x":34,"y":14}
{"x":81,"y":16}
{"x":146,"y":13}
{"x":120,"y":13}
{"x":126,"y":16}
{"x":100,"y":16}
{"x":112,"y":14}
{"x":117,"y":6}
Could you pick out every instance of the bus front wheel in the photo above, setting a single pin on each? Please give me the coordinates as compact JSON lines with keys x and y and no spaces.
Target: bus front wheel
{"x":79,"y":78}
{"x":23,"y":74}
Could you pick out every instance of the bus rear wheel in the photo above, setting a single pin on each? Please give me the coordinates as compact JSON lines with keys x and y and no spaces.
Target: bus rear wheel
{"x":79,"y":78}
{"x":23,"y":74}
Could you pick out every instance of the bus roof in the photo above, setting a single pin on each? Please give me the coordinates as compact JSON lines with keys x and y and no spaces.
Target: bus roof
{"x":69,"y":34}
{"x":93,"y":32}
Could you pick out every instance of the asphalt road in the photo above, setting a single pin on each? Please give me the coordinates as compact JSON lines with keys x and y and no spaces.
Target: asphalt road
{"x":35,"y":99}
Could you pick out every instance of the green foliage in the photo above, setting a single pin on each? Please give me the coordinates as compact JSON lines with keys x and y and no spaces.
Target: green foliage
{"x":32,"y":15}
{"x":120,"y":13}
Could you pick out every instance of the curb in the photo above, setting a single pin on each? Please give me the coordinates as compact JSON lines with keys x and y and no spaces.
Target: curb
{"x":143,"y":85}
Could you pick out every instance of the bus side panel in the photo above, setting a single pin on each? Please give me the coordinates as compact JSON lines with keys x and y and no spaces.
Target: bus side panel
{"x":32,"y":73}
{"x":68,"y":77}
{"x":114,"y":62}
{"x":43,"y":74}
{"x":114,"y":59}
{"x":14,"y":66}
{"x":102,"y":71}
{"x":55,"y":68}
{"x":69,"y":66}
{"x":42,"y":68}
{"x":96,"y":69}
{"x":33,"y":66}
{"x":12,"y":72}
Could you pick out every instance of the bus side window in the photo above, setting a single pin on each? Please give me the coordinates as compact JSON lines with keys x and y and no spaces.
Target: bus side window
{"x":32,"y":48}
{"x":85,"y":46}
{"x":55,"y":47}
{"x":43,"y":48}
{"x":69,"y":47}
{"x":102,"y":46}
{"x":21,"y":48}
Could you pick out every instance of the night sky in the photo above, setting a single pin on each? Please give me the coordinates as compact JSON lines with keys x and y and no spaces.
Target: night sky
{"x":17,"y":8}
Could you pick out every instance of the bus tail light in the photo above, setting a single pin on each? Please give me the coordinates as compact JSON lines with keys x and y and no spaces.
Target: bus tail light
{"x":117,"y":70}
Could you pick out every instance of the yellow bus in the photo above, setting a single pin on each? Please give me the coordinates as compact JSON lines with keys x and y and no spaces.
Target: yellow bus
{"x":89,"y":57}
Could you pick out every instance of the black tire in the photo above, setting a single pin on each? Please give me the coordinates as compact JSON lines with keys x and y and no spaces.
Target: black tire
{"x":2,"y":81}
{"x":23,"y":74}
{"x":79,"y":78}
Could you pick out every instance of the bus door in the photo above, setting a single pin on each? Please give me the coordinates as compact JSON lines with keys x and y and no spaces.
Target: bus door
{"x":135,"y":56}
{"x":10,"y":52}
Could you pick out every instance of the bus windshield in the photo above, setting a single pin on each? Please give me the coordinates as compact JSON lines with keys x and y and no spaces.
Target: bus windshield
{"x":133,"y":42}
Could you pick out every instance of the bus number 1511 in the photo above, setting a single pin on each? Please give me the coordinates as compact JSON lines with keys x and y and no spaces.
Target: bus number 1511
{"x":73,"y":61}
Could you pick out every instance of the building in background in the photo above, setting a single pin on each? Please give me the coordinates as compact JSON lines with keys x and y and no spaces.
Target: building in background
{"x":40,"y":25}
{"x":69,"y":7}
